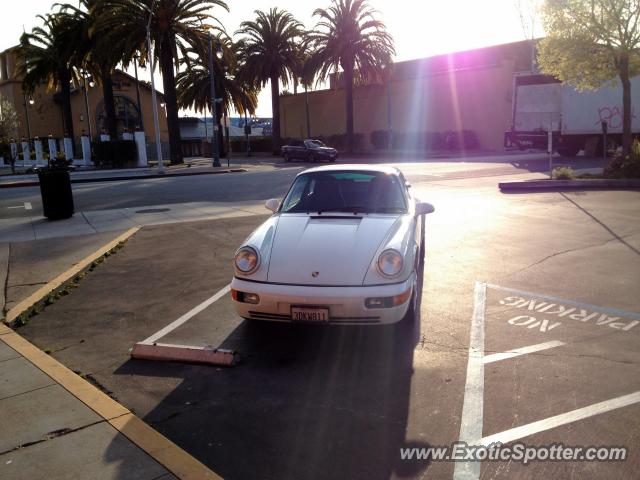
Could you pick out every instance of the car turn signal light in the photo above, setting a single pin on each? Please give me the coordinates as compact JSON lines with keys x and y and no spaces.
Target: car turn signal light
{"x":388,"y":302}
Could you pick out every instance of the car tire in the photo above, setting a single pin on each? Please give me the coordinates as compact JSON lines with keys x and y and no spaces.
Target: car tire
{"x":412,"y":311}
{"x":422,"y":249}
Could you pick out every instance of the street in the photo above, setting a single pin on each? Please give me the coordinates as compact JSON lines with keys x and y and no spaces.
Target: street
{"x":528,"y":331}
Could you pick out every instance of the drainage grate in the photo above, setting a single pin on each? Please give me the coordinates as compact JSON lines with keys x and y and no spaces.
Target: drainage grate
{"x":153,"y":210}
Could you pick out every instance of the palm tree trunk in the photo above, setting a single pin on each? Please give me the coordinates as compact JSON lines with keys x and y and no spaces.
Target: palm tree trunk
{"x":348,"y":79}
{"x":275,"y":106}
{"x":65,"y":93}
{"x":306,"y":108}
{"x":626,"y":104}
{"x":109,"y":102}
{"x":169,"y":83}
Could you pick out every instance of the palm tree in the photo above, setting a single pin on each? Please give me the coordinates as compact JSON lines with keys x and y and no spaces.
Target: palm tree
{"x":194,"y":85}
{"x":348,"y":36}
{"x":94,"y":51}
{"x":269,"y":50}
{"x":45,"y":57}
{"x":175,"y":27}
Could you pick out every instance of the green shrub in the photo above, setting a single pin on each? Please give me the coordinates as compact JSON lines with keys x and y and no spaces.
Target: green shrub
{"x":563,"y":173}
{"x":625,"y":166}
{"x":115,"y":153}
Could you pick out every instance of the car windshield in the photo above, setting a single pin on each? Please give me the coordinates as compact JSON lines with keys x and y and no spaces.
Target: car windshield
{"x":345,"y":191}
{"x":315,"y":143}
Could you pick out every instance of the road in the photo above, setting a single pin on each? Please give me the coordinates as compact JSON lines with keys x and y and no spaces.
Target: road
{"x":528,"y":331}
{"x":261,"y":182}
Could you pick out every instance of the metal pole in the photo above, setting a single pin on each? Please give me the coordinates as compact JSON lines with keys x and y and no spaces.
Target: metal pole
{"x":246,"y":132}
{"x":550,"y":150}
{"x":135,"y":70}
{"x":154,"y":102}
{"x":604,"y":140}
{"x":26,"y":112}
{"x":214,"y":112}
{"x":227,"y":139}
{"x":306,"y":105}
{"x":86,"y":105}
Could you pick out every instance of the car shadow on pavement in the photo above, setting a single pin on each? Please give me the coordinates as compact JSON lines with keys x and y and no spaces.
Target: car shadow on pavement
{"x":307,"y":401}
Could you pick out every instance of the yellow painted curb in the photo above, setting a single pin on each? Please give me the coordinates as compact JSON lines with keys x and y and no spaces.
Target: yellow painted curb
{"x":61,"y":279}
{"x":165,"y":452}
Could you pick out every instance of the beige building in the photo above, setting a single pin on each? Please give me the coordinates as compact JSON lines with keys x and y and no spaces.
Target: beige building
{"x":44,"y":109}
{"x":464,"y":91}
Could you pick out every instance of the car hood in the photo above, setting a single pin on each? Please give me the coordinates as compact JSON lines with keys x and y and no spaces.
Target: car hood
{"x":326,"y":249}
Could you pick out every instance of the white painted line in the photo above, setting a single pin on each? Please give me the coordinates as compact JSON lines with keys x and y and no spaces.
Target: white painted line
{"x":562,"y":419}
{"x":496,"y":357}
{"x":473,"y":404}
{"x":586,"y":306}
{"x":183,"y":319}
{"x":26,"y":206}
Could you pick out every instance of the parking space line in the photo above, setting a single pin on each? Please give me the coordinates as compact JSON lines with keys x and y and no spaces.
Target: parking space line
{"x":496,"y":357}
{"x":473,"y":404}
{"x":562,"y":419}
{"x":184,"y":318}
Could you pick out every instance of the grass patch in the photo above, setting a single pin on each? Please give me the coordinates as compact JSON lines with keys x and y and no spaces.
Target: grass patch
{"x":563,"y":173}
{"x":63,"y":290}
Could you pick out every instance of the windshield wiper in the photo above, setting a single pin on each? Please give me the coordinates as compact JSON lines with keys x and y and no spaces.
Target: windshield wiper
{"x":390,"y":210}
{"x":355,"y":210}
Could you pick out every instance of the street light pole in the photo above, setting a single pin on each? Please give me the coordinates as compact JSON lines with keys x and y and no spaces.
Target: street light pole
{"x":26,"y":113}
{"x":135,"y":70}
{"x":86,"y":104}
{"x":153,"y":95}
{"x":214,"y":110}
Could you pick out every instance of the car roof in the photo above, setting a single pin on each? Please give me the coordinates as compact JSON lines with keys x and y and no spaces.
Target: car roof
{"x":353,"y":167}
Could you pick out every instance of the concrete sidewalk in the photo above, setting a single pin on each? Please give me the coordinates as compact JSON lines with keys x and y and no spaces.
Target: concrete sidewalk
{"x":56,"y":425}
{"x":22,"y":229}
{"x":90,"y":176}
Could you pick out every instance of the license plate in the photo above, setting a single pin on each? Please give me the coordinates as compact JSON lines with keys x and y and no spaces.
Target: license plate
{"x":309,"y":314}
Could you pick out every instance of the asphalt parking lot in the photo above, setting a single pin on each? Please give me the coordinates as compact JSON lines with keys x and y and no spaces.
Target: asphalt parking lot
{"x":496,"y":353}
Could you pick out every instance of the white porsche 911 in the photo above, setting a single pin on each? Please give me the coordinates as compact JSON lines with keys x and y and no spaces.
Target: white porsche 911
{"x":344,"y":246}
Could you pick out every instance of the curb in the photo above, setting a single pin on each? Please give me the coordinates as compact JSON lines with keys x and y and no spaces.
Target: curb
{"x":35,"y":183}
{"x":154,"y":444}
{"x":553,"y":185}
{"x":39,"y":295}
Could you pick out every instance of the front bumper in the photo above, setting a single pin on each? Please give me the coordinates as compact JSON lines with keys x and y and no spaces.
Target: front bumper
{"x":346,"y":304}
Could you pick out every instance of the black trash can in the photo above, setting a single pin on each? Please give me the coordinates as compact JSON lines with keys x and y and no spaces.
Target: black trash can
{"x":55,"y":188}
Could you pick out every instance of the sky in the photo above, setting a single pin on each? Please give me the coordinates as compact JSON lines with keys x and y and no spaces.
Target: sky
{"x":420,"y":28}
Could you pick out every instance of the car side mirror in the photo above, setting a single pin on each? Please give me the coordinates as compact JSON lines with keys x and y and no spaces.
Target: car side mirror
{"x":424,"y":208}
{"x":272,"y":204}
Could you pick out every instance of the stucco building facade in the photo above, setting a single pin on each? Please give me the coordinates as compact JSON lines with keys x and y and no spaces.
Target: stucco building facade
{"x":464,"y":91}
{"x":44,"y":109}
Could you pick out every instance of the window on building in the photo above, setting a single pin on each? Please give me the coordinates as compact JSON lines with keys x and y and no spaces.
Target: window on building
{"x":127,"y":115}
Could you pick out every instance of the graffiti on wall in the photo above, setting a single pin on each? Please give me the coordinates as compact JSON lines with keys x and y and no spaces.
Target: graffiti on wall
{"x":614,"y":116}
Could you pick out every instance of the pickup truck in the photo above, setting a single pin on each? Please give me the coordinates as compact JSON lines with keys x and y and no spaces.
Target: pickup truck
{"x":309,"y":150}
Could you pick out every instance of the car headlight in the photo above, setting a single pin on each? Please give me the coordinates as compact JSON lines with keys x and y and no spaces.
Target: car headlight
{"x":247,"y":260}
{"x":390,"y":263}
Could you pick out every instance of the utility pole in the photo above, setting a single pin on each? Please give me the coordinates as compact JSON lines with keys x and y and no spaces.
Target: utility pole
{"x":153,"y":95}
{"x":214,"y":109}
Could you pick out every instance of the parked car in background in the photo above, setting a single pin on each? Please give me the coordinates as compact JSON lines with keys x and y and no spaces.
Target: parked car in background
{"x":309,"y":150}
{"x":345,"y":246}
